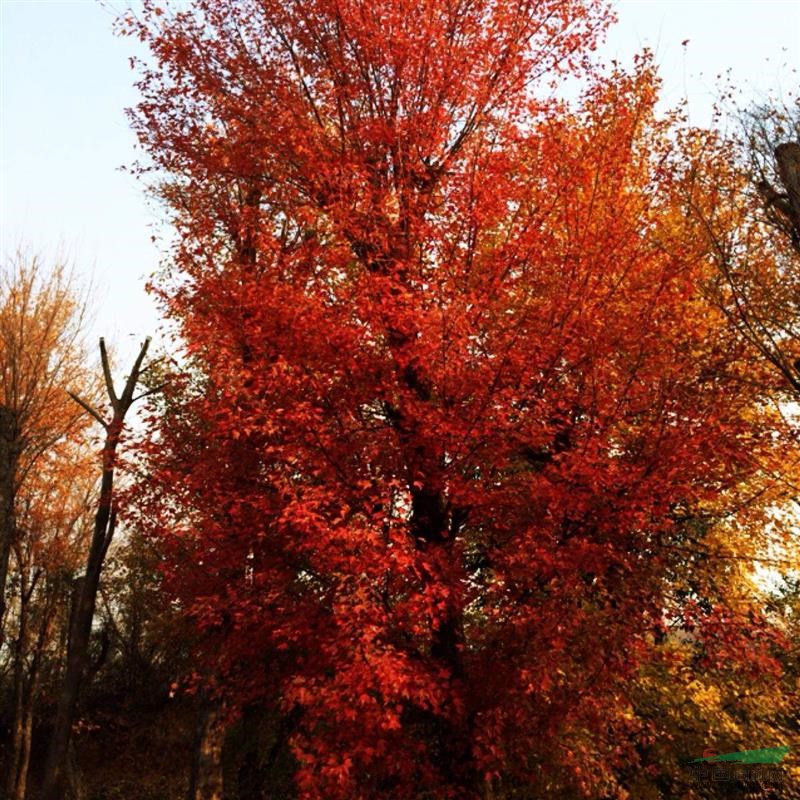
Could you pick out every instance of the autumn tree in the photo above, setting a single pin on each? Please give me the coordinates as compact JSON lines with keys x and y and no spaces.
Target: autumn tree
{"x":721,"y":676}
{"x":42,"y":317}
{"x":43,"y":449}
{"x":452,"y":387}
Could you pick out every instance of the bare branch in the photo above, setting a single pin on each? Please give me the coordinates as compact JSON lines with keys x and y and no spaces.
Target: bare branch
{"x":154,"y":390}
{"x":153,"y":363}
{"x":89,"y":409}
{"x":107,"y":374}
{"x":112,"y":527}
{"x":130,"y":384}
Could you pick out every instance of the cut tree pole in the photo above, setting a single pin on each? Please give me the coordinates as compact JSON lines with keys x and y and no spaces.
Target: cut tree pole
{"x":83,"y":612}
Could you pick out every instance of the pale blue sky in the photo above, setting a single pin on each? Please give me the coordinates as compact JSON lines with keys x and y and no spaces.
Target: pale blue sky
{"x":65,"y":81}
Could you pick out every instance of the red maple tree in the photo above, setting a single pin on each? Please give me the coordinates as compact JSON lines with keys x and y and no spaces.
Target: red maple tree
{"x":450,"y":380}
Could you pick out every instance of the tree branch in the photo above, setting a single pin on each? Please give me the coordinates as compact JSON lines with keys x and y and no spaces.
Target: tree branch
{"x":89,"y":409}
{"x":107,"y":374}
{"x":154,"y":390}
{"x":130,"y":384}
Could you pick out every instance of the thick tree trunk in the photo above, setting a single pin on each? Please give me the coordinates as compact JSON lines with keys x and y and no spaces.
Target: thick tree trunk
{"x":434,"y":527}
{"x":435,"y":531}
{"x":205,"y":782}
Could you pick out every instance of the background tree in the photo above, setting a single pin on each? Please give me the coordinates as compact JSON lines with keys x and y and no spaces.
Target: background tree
{"x":722,"y":676}
{"x":742,"y":199}
{"x":771,"y":138}
{"x":453,"y":383}
{"x":749,"y":183}
{"x":42,"y":450}
{"x":42,"y":316}
{"x":51,"y":478}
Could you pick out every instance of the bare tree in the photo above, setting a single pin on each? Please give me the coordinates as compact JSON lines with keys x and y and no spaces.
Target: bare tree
{"x":753,"y":231}
{"x":771,"y":144}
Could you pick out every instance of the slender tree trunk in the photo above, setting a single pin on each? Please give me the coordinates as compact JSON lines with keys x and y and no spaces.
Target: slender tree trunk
{"x":8,"y":475}
{"x":17,"y":731}
{"x":24,"y":752}
{"x":26,"y":685}
{"x":25,"y":688}
{"x":205,"y":781}
{"x":56,"y":765}
{"x":20,"y":654}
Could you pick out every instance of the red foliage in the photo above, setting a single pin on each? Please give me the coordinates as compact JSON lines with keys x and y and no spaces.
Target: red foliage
{"x":449,"y":375}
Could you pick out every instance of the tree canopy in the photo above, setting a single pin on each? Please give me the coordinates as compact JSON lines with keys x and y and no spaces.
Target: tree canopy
{"x":457,"y":403}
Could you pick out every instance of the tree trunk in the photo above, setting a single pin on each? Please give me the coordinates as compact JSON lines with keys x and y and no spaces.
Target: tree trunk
{"x":80,"y":633}
{"x":205,"y":782}
{"x":435,"y":531}
{"x":25,"y":694}
{"x":56,"y":765}
{"x":24,"y":752}
{"x":26,"y":683}
{"x":21,"y":696}
{"x":74,"y":777}
{"x":17,"y":731}
{"x":8,"y":475}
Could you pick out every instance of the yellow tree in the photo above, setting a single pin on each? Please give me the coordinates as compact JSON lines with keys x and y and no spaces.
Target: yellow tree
{"x":724,"y":673}
{"x":42,"y":355}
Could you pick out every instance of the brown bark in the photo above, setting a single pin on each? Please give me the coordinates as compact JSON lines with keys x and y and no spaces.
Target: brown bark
{"x":18,"y":724}
{"x":432,"y":528}
{"x":25,"y":754}
{"x":8,"y":474}
{"x":17,"y":782}
{"x":26,"y":681}
{"x":205,"y":781}
{"x":56,"y":765}
{"x":74,"y":776}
